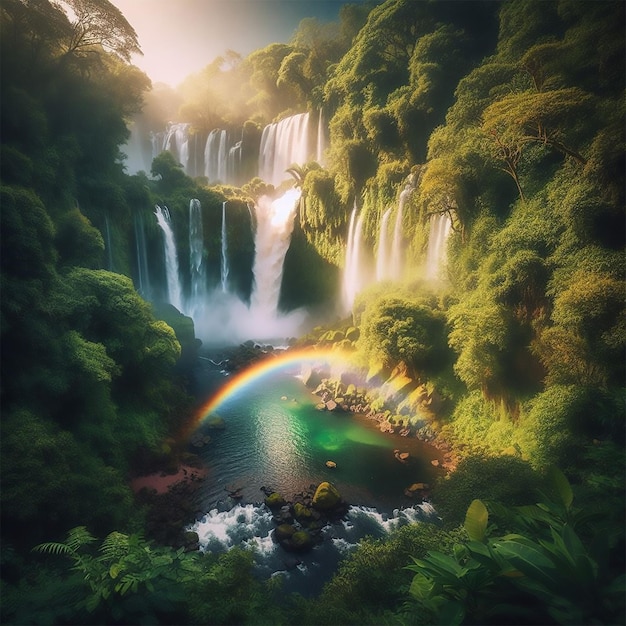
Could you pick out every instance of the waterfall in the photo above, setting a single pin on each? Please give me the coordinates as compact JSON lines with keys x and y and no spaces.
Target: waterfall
{"x":382,"y":255}
{"x":351,"y":278}
{"x":176,"y":141}
{"x":321,"y":139}
{"x":275,"y":220}
{"x":283,"y":144}
{"x":143,"y":276}
{"x":222,"y":158}
{"x":397,"y":247}
{"x":109,"y":248}
{"x":196,"y":252}
{"x":440,"y":226}
{"x":224,"y":266}
{"x":171,"y":258}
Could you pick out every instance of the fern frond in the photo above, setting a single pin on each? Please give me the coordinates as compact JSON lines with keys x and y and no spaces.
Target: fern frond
{"x":52,"y":547}
{"x":79,"y":537}
{"x":114,"y":546}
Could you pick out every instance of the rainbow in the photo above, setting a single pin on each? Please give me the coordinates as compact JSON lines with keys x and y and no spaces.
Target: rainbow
{"x":257,"y":370}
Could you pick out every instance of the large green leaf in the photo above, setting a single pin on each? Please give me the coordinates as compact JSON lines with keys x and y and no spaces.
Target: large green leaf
{"x":476,"y":520}
{"x":561,"y":486}
{"x":530,"y":561}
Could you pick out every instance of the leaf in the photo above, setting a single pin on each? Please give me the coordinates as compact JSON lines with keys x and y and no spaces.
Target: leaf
{"x":53,"y":548}
{"x":114,"y":570}
{"x":528,"y":560}
{"x":476,"y":520}
{"x":452,"y":614}
{"x":421,"y":587}
{"x":561,"y":486}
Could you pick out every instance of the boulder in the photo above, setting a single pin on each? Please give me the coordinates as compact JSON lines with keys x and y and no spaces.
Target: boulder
{"x":326,"y":497}
{"x":284,"y":531}
{"x":302,"y":513}
{"x":274,"y":501}
{"x":331,"y":464}
{"x":300,"y":541}
{"x":331,"y":405}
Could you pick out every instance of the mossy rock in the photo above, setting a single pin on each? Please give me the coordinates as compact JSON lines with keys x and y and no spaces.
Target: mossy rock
{"x":301,"y":512}
{"x":284,"y":531}
{"x":326,"y":497}
{"x":301,"y":540}
{"x":352,"y":334}
{"x":274,"y":501}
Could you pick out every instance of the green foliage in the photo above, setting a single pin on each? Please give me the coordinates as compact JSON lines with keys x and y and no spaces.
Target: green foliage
{"x":550,"y":425}
{"x":407,"y":330}
{"x":505,"y":479}
{"x":542,"y":572}
{"x":127,"y":580}
{"x":371,"y":581}
{"x":78,"y":242}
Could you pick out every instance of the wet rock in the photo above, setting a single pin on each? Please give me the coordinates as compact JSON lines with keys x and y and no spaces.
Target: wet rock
{"x":326,"y":497}
{"x":274,"y":501}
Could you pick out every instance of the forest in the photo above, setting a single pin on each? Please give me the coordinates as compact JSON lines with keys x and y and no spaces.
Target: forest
{"x":506,"y":118}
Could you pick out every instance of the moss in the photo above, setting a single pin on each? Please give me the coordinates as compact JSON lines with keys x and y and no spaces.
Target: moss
{"x":326,"y":496}
{"x":302,"y":512}
{"x":274,"y":501}
{"x":301,"y":539}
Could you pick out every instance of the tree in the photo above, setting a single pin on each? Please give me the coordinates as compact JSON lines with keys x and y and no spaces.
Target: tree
{"x":98,"y":23}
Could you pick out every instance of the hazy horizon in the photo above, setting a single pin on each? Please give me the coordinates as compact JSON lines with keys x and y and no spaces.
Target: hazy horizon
{"x":180,"y":37}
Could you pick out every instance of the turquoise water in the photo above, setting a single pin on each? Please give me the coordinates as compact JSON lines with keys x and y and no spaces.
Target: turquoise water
{"x":276,"y":438}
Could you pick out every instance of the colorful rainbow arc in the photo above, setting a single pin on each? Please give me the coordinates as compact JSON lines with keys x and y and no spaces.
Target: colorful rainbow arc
{"x":257,"y":370}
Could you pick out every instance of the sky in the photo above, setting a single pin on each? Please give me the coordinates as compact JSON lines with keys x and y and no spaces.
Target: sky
{"x":180,"y":37}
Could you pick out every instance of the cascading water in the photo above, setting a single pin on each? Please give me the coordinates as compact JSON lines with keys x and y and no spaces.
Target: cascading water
{"x":171,"y":257}
{"x":283,"y":144}
{"x":352,"y":270}
{"x":440,"y":226}
{"x":176,"y":141}
{"x":274,"y":225}
{"x":143,"y":275}
{"x":397,"y":247}
{"x":382,"y":256}
{"x":109,"y":247}
{"x":224,"y":255}
{"x":197,"y":271}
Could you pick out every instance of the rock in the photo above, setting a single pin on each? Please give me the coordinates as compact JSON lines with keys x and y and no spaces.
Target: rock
{"x":274,"y":501}
{"x":331,"y":464}
{"x":300,"y":541}
{"x":320,"y":406}
{"x":435,"y":463}
{"x":326,"y":496}
{"x":199,"y":440}
{"x":331,"y":405}
{"x":401,"y":456}
{"x":302,"y":512}
{"x":191,"y":541}
{"x":418,"y":487}
{"x":284,"y":531}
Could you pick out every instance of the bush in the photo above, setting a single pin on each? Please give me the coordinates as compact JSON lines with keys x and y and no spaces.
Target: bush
{"x":505,"y":479}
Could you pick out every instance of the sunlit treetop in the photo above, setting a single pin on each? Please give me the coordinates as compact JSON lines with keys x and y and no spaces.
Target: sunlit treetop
{"x":75,"y":27}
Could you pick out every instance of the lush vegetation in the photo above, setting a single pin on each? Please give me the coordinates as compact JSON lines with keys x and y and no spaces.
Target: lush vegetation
{"x":509,"y":117}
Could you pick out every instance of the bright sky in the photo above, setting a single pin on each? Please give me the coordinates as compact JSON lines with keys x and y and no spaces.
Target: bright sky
{"x":180,"y":37}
